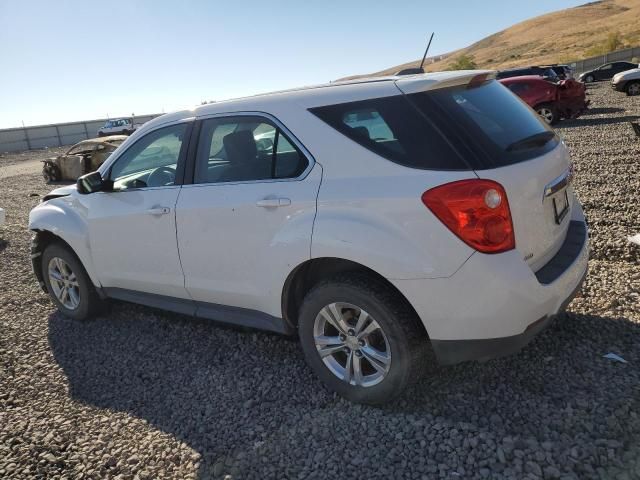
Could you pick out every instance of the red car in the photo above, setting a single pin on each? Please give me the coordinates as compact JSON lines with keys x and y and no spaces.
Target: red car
{"x":552,"y":101}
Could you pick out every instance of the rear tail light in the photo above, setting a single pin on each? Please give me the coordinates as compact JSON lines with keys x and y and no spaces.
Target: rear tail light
{"x":477,"y":211}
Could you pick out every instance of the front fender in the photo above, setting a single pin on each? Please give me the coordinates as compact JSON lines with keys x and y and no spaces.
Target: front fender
{"x":66,"y":218}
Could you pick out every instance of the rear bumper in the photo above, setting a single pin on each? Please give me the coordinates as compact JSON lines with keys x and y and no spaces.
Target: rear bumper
{"x":450,"y":352}
{"x":495,"y":304}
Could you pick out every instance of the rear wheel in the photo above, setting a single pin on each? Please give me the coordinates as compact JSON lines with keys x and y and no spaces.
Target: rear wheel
{"x":68,"y":284}
{"x":548,"y":113}
{"x":361,"y":340}
{"x":633,"y":88}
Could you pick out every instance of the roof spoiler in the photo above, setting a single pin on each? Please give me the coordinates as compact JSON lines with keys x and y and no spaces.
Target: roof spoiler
{"x":432,"y":81}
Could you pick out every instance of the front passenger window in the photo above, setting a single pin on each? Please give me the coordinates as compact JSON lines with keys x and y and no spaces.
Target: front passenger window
{"x":151,"y":161}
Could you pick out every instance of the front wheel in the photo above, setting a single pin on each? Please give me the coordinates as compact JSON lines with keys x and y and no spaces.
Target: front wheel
{"x":633,"y":89}
{"x":68,"y":284}
{"x":363,"y":341}
{"x":589,"y":79}
{"x":548,"y":113}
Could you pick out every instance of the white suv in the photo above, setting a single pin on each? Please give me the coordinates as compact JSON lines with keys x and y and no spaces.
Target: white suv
{"x":381,"y":220}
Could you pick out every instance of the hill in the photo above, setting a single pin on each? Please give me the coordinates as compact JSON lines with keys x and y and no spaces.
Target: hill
{"x":556,"y":37}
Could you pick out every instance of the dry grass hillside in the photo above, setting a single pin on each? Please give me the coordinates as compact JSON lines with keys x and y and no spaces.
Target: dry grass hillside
{"x":556,"y":37}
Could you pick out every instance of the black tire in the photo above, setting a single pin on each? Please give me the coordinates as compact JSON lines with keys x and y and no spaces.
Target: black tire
{"x":90,"y":303}
{"x":100,"y":134}
{"x":633,"y":88}
{"x":589,"y":79}
{"x":548,"y":113}
{"x":406,"y":337}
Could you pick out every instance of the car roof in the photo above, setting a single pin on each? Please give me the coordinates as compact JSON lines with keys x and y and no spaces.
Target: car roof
{"x":326,"y":94}
{"x":102,"y":140}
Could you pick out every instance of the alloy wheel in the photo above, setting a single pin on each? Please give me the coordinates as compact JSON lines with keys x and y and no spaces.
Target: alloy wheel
{"x":352,"y":344}
{"x":546,"y":114}
{"x":634,"y":89}
{"x":64,"y":283}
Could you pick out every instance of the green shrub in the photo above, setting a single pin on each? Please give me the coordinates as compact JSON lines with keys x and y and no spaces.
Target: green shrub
{"x":463,"y":62}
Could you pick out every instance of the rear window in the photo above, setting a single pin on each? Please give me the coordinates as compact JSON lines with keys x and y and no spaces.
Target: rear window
{"x":458,"y":128}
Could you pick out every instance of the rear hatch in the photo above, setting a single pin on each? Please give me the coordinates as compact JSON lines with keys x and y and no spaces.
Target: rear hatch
{"x":502,"y":139}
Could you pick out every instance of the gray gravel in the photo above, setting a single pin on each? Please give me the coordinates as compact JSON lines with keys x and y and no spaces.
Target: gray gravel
{"x":146,"y":394}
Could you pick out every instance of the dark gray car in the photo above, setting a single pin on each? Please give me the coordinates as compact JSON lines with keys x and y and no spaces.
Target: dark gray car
{"x":606,"y":71}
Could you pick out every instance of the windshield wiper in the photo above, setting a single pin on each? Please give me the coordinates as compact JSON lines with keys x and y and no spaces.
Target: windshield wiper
{"x":536,"y":140}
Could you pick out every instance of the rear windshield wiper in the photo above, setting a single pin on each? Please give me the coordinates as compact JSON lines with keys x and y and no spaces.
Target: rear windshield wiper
{"x":536,"y":140}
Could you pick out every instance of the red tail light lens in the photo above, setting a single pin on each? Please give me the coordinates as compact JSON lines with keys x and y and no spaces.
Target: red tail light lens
{"x":477,"y":211}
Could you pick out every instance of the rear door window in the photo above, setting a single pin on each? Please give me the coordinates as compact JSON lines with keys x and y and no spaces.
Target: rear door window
{"x":243,"y":149}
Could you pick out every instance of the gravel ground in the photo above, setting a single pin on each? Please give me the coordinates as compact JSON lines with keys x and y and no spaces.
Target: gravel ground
{"x":144,"y":394}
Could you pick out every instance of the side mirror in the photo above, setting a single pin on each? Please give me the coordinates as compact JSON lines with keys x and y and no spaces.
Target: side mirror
{"x":92,"y":182}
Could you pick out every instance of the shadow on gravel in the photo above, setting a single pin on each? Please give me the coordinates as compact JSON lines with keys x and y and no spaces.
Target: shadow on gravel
{"x":602,"y":110}
{"x":246,"y":401}
{"x":589,"y":122}
{"x":3,"y":244}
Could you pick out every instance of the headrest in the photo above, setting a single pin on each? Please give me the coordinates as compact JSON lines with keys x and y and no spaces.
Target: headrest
{"x":240,"y":145}
{"x":362,"y":132}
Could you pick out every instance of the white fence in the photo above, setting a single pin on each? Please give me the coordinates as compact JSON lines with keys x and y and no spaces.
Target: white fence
{"x":54,"y":135}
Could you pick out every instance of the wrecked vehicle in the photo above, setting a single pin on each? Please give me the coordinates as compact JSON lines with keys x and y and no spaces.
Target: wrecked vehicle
{"x":552,"y":101}
{"x":83,"y":157}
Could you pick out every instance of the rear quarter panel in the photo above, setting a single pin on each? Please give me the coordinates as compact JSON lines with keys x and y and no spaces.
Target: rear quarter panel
{"x":370,"y":211}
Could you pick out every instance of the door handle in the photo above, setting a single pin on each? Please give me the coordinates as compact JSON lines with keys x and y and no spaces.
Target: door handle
{"x":158,"y":211}
{"x":273,"y":202}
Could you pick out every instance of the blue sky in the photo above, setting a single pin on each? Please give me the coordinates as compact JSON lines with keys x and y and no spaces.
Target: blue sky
{"x":83,"y":59}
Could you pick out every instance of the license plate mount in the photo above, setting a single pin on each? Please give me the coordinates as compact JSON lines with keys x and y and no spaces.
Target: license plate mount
{"x":560,"y":206}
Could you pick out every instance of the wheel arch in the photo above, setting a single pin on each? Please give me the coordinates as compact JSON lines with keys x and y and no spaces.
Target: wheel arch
{"x":51,"y":223}
{"x":307,"y":274}
{"x":629,"y":83}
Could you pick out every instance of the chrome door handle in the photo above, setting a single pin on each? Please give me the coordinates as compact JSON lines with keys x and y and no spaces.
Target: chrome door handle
{"x":273,"y":202}
{"x":158,"y":211}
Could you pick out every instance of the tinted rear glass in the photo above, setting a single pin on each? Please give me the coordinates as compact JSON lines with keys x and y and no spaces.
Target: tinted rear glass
{"x":393,"y":128}
{"x":458,"y":128}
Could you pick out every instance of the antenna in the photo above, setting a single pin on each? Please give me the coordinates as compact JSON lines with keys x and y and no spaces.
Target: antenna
{"x":424,"y":57}
{"x":420,"y":69}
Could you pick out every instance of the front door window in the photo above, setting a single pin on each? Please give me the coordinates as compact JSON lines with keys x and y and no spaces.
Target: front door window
{"x":152,"y":161}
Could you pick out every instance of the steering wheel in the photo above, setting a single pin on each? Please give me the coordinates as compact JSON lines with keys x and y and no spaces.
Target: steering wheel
{"x":161,"y":177}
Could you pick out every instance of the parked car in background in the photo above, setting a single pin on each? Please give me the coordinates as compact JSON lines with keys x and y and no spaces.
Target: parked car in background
{"x":440,"y":206}
{"x":118,"y":126}
{"x":564,"y":72}
{"x":544,"y":72}
{"x":606,"y":71}
{"x":83,"y":157}
{"x":552,"y":101}
{"x":628,"y":81}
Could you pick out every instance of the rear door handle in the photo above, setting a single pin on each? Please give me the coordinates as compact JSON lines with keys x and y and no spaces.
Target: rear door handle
{"x":273,"y":202}
{"x":158,"y":211}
